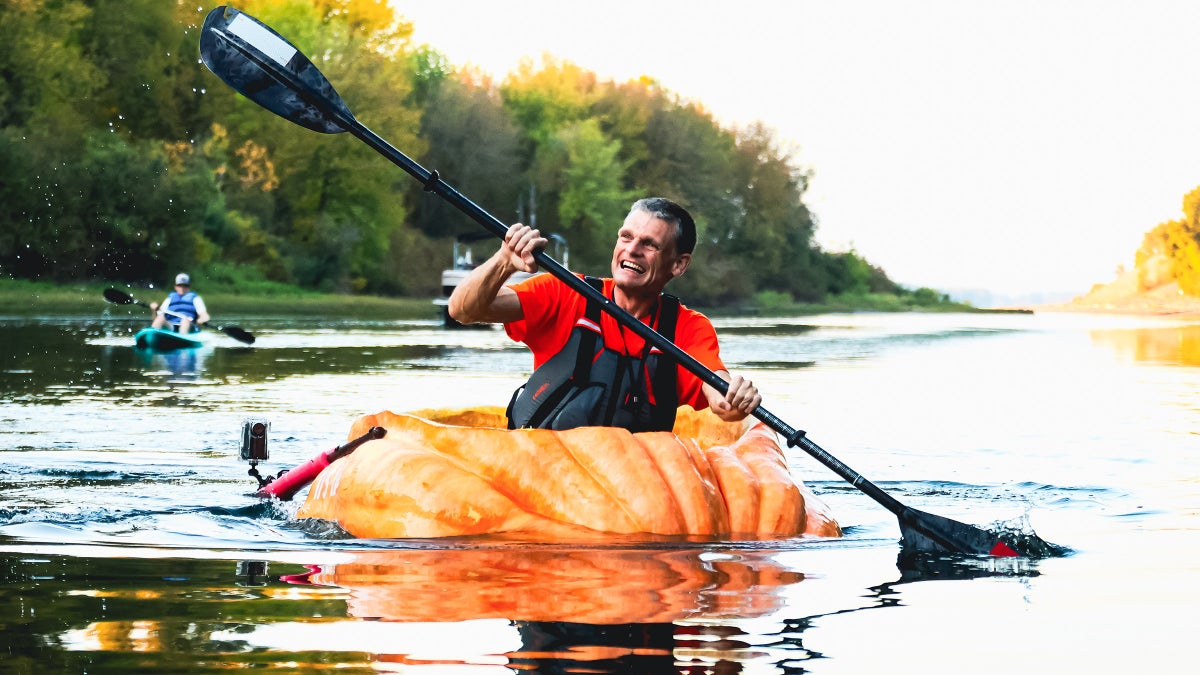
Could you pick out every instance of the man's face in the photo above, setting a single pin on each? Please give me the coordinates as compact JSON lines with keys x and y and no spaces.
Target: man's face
{"x":644,"y":259}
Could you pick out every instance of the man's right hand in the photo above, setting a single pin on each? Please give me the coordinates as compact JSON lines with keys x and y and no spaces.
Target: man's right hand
{"x":521,"y":242}
{"x":482,"y":295}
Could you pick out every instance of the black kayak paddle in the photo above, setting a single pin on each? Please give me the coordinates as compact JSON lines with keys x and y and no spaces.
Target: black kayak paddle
{"x":122,"y":298}
{"x":267,"y":69}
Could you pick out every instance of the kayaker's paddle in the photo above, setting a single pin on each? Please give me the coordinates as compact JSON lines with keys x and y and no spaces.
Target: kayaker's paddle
{"x":264,"y":67}
{"x":121,"y":298}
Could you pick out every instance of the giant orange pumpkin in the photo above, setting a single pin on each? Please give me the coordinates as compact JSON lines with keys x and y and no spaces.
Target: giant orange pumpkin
{"x":441,"y":473}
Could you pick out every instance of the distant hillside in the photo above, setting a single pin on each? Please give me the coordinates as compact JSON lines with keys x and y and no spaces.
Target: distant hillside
{"x":1165,"y":280}
{"x":986,"y":299}
{"x":1135,"y":293}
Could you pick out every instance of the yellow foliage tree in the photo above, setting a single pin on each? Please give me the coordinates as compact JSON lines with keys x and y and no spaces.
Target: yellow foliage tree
{"x":1175,"y":243}
{"x":544,"y":99}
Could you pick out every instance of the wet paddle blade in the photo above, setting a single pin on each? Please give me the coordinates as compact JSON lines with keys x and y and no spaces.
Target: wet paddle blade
{"x":118,"y":298}
{"x":237,"y":334}
{"x":265,"y":68}
{"x":927,"y":533}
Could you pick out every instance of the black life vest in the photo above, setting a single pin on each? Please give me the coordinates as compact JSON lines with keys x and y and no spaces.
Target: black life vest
{"x":587,"y":384}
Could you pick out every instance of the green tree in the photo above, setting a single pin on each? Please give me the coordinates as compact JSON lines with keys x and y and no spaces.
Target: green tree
{"x":474,"y":146}
{"x":122,"y":157}
{"x":544,"y":99}
{"x":430,"y":70}
{"x":592,"y":201}
{"x":120,"y":213}
{"x":688,"y":160}
{"x":48,"y":85}
{"x":148,"y":58}
{"x":338,"y":202}
{"x":624,"y":112}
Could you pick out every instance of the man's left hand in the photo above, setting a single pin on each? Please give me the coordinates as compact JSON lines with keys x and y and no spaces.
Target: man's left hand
{"x":741,"y":398}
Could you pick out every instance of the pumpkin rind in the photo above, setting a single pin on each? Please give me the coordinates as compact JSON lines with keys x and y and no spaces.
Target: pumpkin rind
{"x":433,"y":476}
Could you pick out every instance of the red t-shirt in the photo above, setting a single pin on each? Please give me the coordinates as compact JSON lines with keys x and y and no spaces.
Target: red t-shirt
{"x":551,"y":309}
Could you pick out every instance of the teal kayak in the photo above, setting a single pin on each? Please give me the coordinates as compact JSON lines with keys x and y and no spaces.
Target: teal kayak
{"x":164,"y":340}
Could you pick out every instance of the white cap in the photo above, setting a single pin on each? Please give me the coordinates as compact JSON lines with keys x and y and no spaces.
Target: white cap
{"x":183,"y":280}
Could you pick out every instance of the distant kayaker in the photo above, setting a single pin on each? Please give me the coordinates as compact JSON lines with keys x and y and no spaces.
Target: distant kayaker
{"x":612,"y":378}
{"x":183,"y":310}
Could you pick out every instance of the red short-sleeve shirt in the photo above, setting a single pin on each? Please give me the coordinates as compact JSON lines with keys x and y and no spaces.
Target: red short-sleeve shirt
{"x":551,"y":309}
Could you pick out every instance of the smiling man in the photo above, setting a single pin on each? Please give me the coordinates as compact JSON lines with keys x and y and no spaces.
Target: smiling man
{"x":590,"y":370}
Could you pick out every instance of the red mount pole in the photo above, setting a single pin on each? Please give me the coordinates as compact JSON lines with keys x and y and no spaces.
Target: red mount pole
{"x":293,"y":480}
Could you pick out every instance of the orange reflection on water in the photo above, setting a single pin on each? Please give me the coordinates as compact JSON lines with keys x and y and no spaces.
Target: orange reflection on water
{"x":595,"y":586}
{"x":116,"y":636}
{"x":1177,"y":345}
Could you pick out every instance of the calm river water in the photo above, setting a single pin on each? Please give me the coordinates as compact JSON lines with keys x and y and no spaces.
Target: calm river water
{"x":130,"y":542}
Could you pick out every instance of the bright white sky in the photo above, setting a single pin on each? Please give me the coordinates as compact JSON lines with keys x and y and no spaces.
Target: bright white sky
{"x":1015,"y":146}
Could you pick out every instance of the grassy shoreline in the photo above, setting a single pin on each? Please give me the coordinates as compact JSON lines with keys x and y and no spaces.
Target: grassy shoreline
{"x":30,"y":298}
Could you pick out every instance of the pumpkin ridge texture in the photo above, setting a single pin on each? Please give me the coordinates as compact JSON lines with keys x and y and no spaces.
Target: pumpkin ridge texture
{"x":440,"y":473}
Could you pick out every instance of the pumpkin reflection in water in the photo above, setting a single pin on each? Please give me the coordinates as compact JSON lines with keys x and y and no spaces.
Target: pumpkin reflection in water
{"x":632,"y":605}
{"x":450,"y":473}
{"x":553,"y":583}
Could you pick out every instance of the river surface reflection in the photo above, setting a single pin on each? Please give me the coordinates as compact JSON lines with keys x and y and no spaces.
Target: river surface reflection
{"x":130,"y":541}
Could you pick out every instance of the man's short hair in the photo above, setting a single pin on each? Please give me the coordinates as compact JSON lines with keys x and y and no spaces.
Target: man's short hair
{"x":668,"y":211}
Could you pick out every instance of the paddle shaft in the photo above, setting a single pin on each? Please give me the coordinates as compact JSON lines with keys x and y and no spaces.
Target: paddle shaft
{"x":130,"y":300}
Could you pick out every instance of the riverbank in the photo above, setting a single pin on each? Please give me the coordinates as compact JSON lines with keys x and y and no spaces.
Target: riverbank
{"x":29,"y":298}
{"x":1124,"y":296}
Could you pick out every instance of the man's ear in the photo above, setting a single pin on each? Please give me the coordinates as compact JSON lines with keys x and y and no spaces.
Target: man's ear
{"x":681,"y":264}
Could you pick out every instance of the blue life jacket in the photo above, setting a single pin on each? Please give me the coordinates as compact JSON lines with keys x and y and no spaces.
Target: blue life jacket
{"x":587,"y":384}
{"x":182,"y":304}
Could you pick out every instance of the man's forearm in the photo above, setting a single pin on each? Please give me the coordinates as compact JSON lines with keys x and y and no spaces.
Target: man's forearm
{"x":472,"y":300}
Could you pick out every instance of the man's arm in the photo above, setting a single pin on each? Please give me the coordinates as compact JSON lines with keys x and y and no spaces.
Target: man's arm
{"x":738,"y":402}
{"x":482,"y":295}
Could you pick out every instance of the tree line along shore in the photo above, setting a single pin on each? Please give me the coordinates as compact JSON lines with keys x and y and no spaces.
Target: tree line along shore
{"x":123,"y":159}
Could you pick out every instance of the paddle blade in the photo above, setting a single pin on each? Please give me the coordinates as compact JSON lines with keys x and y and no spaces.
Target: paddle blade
{"x":925,"y":532}
{"x":117,"y":297}
{"x":265,"y":68}
{"x":238,"y":334}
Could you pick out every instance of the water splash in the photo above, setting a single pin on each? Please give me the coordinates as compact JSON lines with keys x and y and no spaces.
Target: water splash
{"x":1019,"y":534}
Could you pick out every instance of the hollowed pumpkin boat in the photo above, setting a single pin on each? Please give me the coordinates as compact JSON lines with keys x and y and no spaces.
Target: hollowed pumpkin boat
{"x":441,"y":473}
